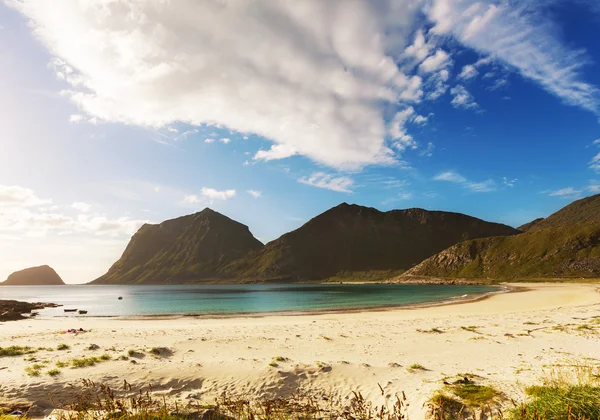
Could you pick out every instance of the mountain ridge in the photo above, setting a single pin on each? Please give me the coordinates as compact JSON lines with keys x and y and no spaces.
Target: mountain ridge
{"x":42,"y":275}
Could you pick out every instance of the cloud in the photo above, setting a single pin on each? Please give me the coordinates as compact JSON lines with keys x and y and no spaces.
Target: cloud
{"x":462,"y":98}
{"x":254,"y":193}
{"x":15,"y":196}
{"x":468,"y":72}
{"x":225,"y":140}
{"x":76,"y":118}
{"x":595,"y":163}
{"x":476,"y":187}
{"x":596,"y":142}
{"x":83,"y":207}
{"x":329,"y":182}
{"x":569,"y":192}
{"x":450,"y":177}
{"x":509,"y":182}
{"x":276,"y":152}
{"x":498,"y":84}
{"x":313,"y":76}
{"x":397,"y":130}
{"x":523,"y":39}
{"x":438,"y":61}
{"x":209,"y":141}
{"x":420,"y":119}
{"x":213,"y":194}
{"x":436,"y":85}
{"x":428,"y":152}
{"x":191,"y":199}
{"x":419,"y":49}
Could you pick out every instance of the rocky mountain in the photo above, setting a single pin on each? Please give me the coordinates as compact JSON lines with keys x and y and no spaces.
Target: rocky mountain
{"x":530,"y":225}
{"x":186,"y":249}
{"x":34,"y":276}
{"x":566,"y":244}
{"x":351,"y":238}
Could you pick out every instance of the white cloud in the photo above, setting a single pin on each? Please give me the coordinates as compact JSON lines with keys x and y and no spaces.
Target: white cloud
{"x":329,"y":182}
{"x":15,"y":196}
{"x":477,"y":187}
{"x":311,"y":76}
{"x":468,"y":72}
{"x":420,"y":119}
{"x":451,"y":177}
{"x":498,"y":84}
{"x":462,"y":98}
{"x":191,"y":199}
{"x":419,"y":49}
{"x":523,"y":39}
{"x":596,"y":142}
{"x":595,"y":163}
{"x":569,"y":192}
{"x":255,"y":193}
{"x":405,"y":196}
{"x":428,"y":152}
{"x":397,"y":129}
{"x":76,"y":118}
{"x":509,"y":182}
{"x":436,"y":62}
{"x":209,"y":141}
{"x":83,"y":207}
{"x":213,"y":194}
{"x":276,"y":152}
{"x":436,"y":84}
{"x":225,"y":140}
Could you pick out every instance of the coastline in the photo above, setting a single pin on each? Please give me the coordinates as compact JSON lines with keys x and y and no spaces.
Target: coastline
{"x":507,"y":339}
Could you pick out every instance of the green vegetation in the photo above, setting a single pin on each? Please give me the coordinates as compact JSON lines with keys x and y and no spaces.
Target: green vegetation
{"x":161,"y":351}
{"x":88,"y":361}
{"x":34,"y":370}
{"x":63,"y":347}
{"x":416,"y":367}
{"x":53,"y":372}
{"x":568,"y":392}
{"x":13,"y":351}
{"x":60,"y":364}
{"x":474,"y":395}
{"x":565,"y":245}
{"x":471,"y":328}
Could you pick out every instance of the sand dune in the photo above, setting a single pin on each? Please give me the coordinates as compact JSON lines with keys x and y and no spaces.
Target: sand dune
{"x":514,"y":338}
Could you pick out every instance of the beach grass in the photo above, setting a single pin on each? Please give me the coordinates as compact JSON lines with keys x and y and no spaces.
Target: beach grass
{"x":63,"y":347}
{"x":13,"y":351}
{"x":53,"y":372}
{"x":88,"y":361}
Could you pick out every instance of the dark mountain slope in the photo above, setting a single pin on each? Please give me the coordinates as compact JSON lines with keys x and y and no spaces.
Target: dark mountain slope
{"x":185,"y":249}
{"x":355,"y":238}
{"x":566,"y":244}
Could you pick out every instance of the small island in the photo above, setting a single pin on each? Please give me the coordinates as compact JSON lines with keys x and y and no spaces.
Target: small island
{"x":34,"y":276}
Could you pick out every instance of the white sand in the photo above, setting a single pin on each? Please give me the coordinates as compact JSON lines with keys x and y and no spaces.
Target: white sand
{"x":233,"y":354}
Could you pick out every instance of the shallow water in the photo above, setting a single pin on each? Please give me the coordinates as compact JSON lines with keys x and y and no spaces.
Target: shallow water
{"x":225,"y":299}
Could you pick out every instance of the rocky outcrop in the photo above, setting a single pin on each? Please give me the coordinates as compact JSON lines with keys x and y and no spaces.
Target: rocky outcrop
{"x":13,"y":310}
{"x":34,"y":276}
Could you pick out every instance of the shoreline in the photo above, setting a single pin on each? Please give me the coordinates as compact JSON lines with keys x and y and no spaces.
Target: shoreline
{"x":458,"y":300}
{"x":504,"y":340}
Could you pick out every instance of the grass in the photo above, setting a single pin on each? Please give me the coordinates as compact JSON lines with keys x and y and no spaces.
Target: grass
{"x":567,"y":392}
{"x":471,"y":328}
{"x":13,"y":351}
{"x":63,"y":347}
{"x":431,"y":331}
{"x":60,"y":364}
{"x":416,"y":367}
{"x":126,"y":404}
{"x":161,"y":351}
{"x":475,"y":395}
{"x":88,"y":361}
{"x":53,"y":372}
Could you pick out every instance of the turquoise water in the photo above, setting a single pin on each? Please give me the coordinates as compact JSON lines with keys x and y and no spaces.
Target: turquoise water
{"x":233,"y":298}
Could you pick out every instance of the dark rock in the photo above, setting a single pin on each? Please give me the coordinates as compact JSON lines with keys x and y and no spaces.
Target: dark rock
{"x":34,"y":276}
{"x":13,"y":310}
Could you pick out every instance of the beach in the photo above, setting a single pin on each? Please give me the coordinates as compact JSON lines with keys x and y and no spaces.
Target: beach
{"x":506,"y":340}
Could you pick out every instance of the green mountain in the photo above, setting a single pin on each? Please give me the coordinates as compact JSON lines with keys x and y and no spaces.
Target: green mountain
{"x":566,"y":244}
{"x":189,"y":248}
{"x":34,"y":276}
{"x":351,"y":238}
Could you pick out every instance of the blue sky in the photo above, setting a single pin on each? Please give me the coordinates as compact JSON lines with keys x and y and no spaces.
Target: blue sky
{"x":118,"y":113}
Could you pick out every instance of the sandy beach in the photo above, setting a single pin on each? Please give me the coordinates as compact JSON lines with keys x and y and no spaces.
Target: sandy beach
{"x":507,"y":340}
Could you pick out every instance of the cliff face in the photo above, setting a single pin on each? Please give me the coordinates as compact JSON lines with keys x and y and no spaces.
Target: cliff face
{"x":186,"y":249}
{"x":356,"y":238}
{"x":34,"y":276}
{"x":566,"y":244}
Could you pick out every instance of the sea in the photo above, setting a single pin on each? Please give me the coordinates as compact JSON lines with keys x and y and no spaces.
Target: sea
{"x":234,"y":299}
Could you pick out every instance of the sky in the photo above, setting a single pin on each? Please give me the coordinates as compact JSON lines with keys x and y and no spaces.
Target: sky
{"x":115,"y":113}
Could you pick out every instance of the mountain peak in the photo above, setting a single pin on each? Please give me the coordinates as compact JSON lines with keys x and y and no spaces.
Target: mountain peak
{"x":42,"y":275}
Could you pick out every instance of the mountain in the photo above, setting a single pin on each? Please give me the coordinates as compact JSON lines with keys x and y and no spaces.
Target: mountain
{"x":528,"y":226}
{"x":34,"y":276}
{"x":185,"y":249}
{"x":351,"y":238}
{"x":566,"y":244}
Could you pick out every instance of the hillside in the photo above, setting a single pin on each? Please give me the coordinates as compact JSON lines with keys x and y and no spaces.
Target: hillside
{"x":188,"y":248}
{"x":566,"y":244}
{"x":34,"y":276}
{"x":350,"y":238}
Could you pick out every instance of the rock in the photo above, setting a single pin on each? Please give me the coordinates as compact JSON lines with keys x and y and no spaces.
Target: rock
{"x":34,"y":276}
{"x":13,"y":310}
